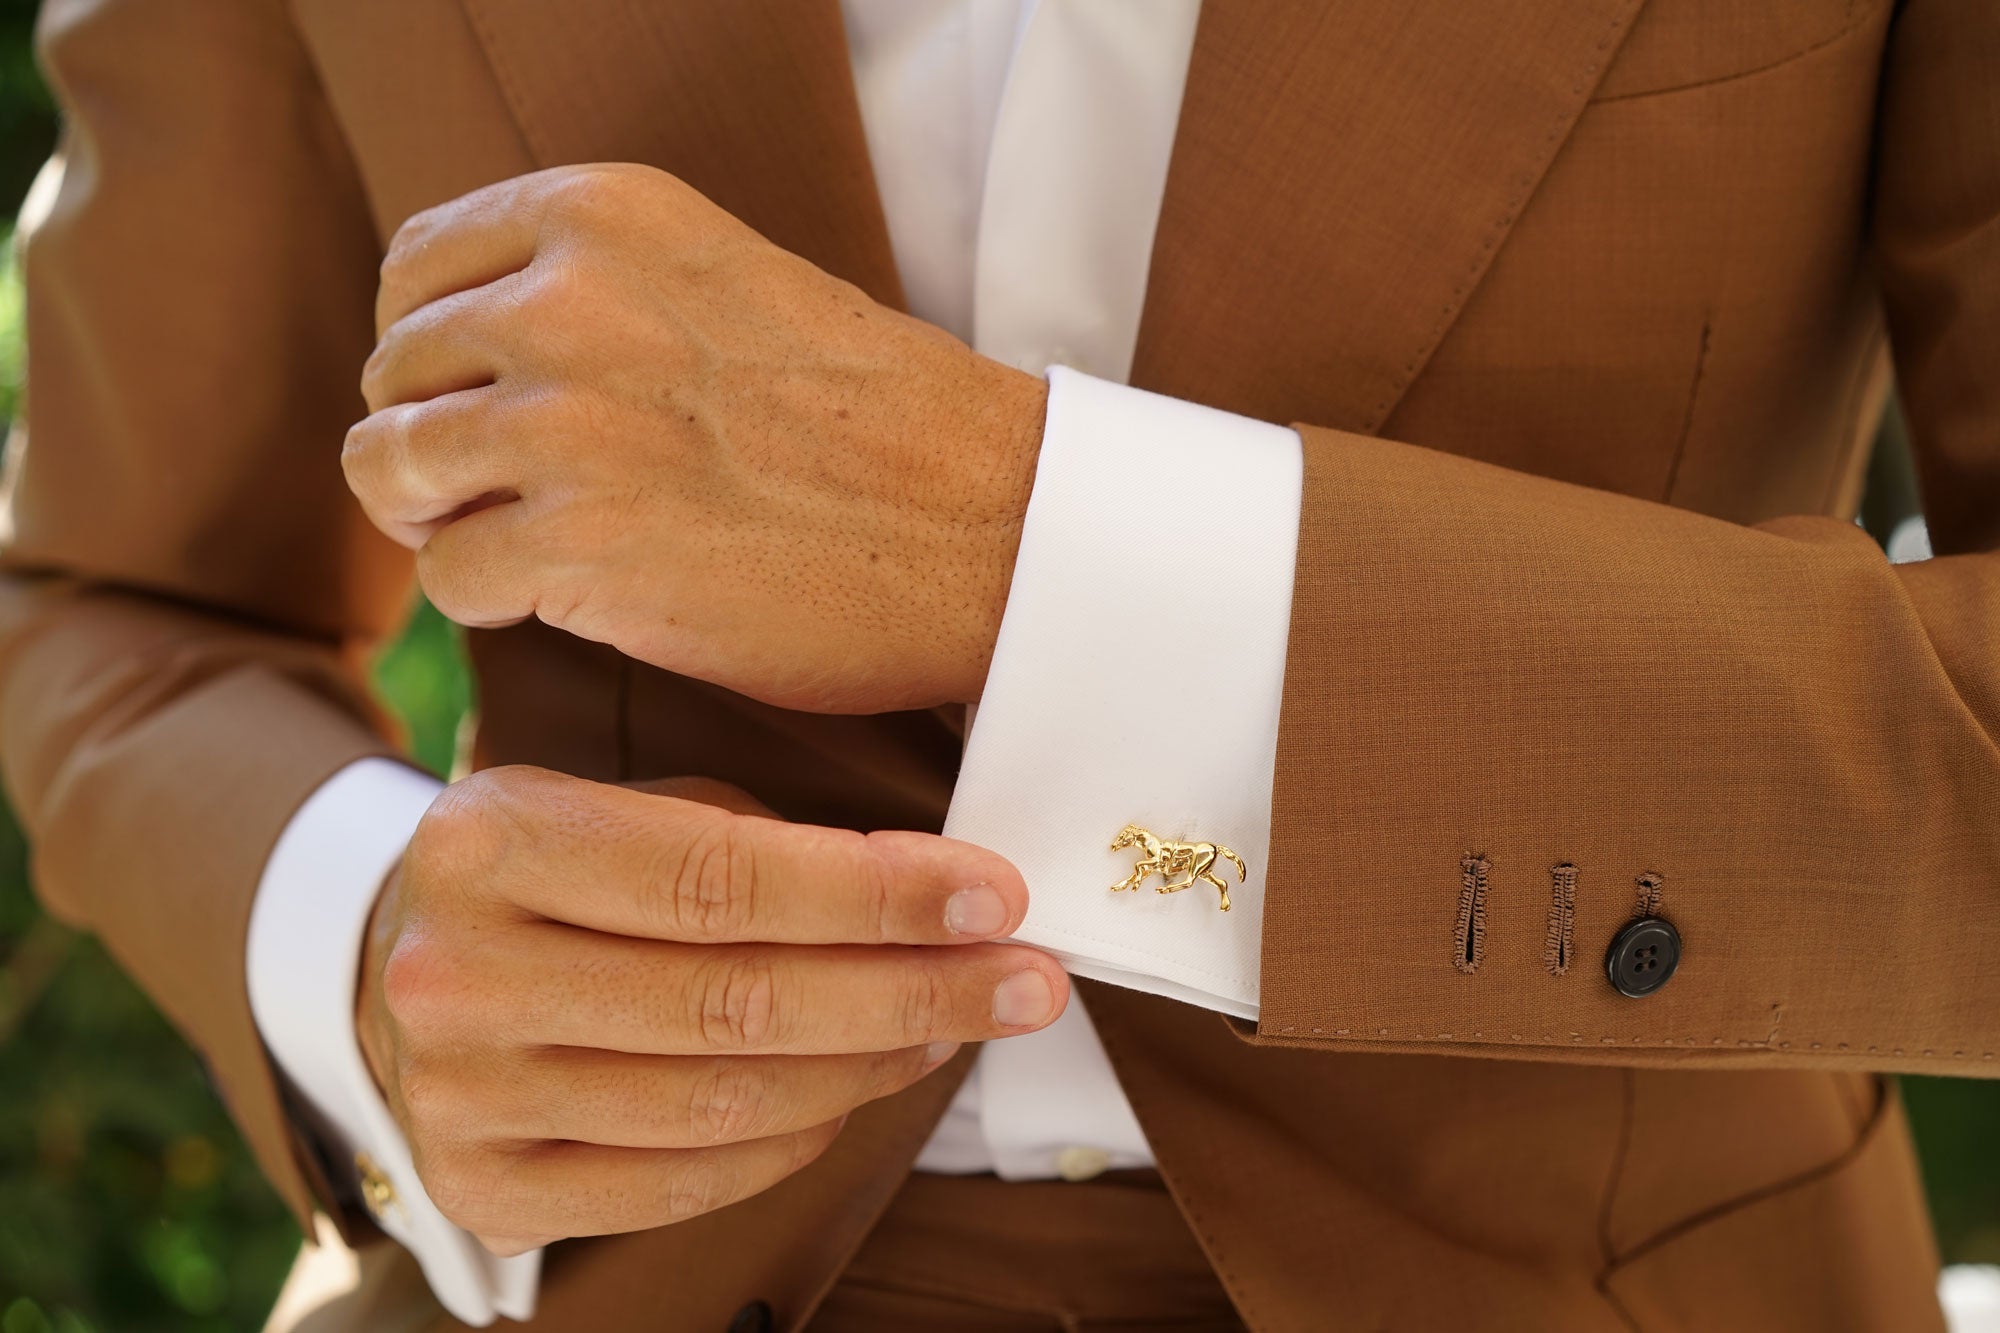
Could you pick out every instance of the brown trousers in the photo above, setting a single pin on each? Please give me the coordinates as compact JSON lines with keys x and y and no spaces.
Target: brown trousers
{"x":974,"y":1254}
{"x":953,"y":1254}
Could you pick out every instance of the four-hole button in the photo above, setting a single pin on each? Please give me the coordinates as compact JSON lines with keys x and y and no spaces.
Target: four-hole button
{"x":1643,"y":956}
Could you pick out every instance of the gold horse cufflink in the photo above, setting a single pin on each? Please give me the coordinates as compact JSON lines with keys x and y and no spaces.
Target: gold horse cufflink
{"x":1169,"y":859}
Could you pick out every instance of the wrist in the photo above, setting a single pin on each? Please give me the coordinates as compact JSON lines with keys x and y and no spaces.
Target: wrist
{"x":1015,"y":419}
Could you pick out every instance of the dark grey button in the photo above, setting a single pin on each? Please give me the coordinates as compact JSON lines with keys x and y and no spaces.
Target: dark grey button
{"x":1643,"y":956}
{"x":752,"y":1318}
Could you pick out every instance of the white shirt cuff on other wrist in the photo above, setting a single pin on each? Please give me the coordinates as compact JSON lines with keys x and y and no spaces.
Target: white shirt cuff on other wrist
{"x":1137,"y":679}
{"x":306,"y":932}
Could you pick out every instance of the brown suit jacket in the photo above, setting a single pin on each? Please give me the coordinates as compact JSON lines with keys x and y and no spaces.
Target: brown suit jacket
{"x":1588,"y":301}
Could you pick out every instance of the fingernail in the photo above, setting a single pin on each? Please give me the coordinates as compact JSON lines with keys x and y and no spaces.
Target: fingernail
{"x":937,"y":1053}
{"x":1023,"y":1000}
{"x":979,"y":910}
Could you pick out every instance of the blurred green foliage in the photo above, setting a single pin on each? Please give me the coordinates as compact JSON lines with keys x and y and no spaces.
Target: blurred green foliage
{"x":127,"y":1202}
{"x":27,"y":116}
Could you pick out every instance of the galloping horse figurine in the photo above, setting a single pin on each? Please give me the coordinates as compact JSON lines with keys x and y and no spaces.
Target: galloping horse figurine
{"x":1195,"y":860}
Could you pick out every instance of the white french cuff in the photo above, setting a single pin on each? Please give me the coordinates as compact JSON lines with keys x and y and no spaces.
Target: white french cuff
{"x":1137,"y":680}
{"x":306,"y":932}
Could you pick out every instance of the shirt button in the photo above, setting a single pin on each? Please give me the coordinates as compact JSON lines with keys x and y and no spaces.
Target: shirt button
{"x":1081,"y":1163}
{"x":1643,"y":956}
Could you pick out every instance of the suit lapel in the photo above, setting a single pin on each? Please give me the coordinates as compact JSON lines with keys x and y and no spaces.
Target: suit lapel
{"x":1342,"y":178}
{"x":750,"y":101}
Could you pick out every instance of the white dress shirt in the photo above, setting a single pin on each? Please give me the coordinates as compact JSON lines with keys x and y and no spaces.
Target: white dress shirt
{"x":1021,"y":150}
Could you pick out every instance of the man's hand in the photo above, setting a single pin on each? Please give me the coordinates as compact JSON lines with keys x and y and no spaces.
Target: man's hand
{"x":602,"y":401}
{"x":594,"y":1009}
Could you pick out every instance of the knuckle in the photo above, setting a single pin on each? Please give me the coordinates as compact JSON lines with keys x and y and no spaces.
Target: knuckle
{"x":482,"y":832}
{"x":449,"y":586}
{"x":399,"y":258}
{"x":360,"y":455}
{"x":509,"y":787}
{"x":578,"y":200}
{"x":560,"y":295}
{"x":361,"y":441}
{"x":590,"y":193}
{"x":373,"y":371}
{"x":517,"y":802}
{"x":456,"y":832}
{"x":375,"y":444}
{"x":709,"y":890}
{"x":739,"y":1003}
{"x":395,"y":267}
{"x":878,"y":886}
{"x":417,"y":432}
{"x":466,"y":1189}
{"x":728,"y":1103}
{"x":432,"y":1099}
{"x":925,"y":1006}
{"x":380,"y":451}
{"x":699,"y":1182}
{"x":419,"y":983}
{"x":410,"y":238}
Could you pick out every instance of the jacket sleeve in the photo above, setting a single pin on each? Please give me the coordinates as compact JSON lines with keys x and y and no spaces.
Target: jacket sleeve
{"x":189,"y":593}
{"x":1519,"y":713}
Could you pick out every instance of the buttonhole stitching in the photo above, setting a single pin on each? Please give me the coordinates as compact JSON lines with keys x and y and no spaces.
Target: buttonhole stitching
{"x":1562,"y":919}
{"x":1469,"y":938}
{"x":1650,"y":886}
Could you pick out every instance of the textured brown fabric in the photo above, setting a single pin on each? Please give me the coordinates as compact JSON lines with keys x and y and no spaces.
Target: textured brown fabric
{"x":1588,"y":303}
{"x":965,"y":1253}
{"x":950,"y":1254}
{"x":1796,"y":738}
{"x":201,"y":296}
